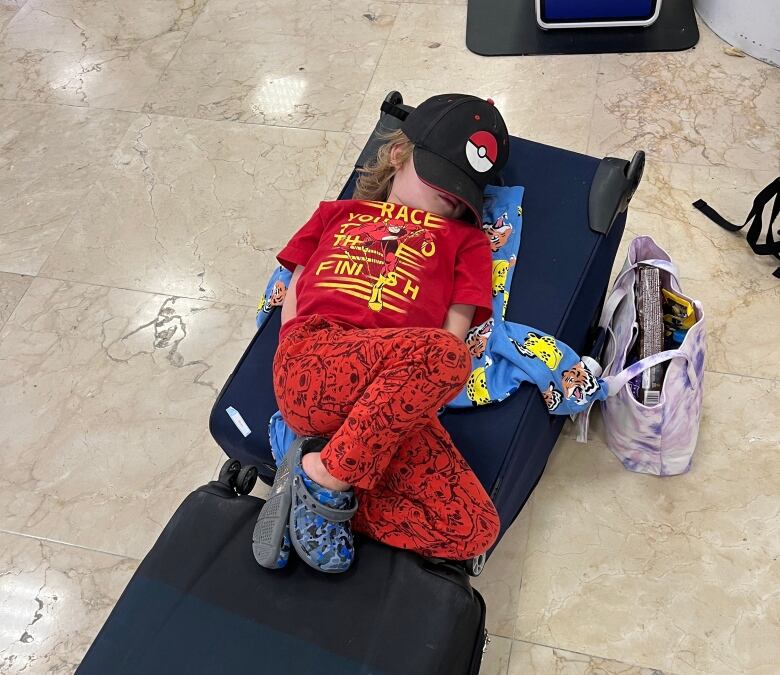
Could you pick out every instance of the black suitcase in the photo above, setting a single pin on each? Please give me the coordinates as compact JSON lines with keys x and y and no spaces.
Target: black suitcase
{"x":199,"y":603}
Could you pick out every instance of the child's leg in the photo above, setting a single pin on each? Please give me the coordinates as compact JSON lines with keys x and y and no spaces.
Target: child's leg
{"x":366,"y":389}
{"x":429,"y":500}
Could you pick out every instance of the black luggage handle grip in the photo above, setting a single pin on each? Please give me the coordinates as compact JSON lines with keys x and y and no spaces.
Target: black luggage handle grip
{"x":394,"y":110}
{"x":613,"y":186}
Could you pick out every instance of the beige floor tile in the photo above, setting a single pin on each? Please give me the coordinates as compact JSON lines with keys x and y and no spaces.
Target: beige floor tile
{"x":12,"y":288}
{"x":100,"y":54}
{"x":105,"y":396}
{"x":502,"y":578}
{"x":49,"y":158}
{"x":548,"y":99}
{"x":662,"y":207}
{"x":346,"y":164}
{"x":197,"y":208}
{"x":699,"y":106}
{"x":531,"y":659}
{"x":53,"y":600}
{"x":8,"y":9}
{"x":495,"y":661}
{"x":268,"y":63}
{"x":743,"y":321}
{"x":244,"y":20}
{"x":681,"y":572}
{"x":435,"y":2}
{"x":220,"y":461}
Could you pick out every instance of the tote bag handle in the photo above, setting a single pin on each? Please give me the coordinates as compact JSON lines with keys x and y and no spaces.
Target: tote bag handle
{"x":615,"y":383}
{"x":665,"y":265}
{"x":619,"y":291}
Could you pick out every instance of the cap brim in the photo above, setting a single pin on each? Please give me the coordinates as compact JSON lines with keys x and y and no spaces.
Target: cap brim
{"x":445,"y":176}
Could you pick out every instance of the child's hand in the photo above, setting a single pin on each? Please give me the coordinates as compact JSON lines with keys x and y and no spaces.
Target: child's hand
{"x":458,"y":321}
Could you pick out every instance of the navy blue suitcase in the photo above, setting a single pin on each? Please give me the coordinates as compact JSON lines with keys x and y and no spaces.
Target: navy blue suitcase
{"x":573,"y":220}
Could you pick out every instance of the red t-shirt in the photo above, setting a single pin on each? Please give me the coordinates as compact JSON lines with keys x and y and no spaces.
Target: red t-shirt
{"x":380,"y":265}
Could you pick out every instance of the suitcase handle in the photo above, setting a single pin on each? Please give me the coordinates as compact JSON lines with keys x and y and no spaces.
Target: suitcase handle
{"x":613,"y":186}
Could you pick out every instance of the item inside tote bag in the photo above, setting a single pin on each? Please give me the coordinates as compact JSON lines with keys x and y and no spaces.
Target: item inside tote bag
{"x":663,"y":319}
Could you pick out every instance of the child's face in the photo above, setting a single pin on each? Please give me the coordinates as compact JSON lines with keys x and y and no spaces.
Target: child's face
{"x":408,"y":189}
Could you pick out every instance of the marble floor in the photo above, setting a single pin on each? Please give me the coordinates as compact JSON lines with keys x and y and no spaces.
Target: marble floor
{"x":154,"y":154}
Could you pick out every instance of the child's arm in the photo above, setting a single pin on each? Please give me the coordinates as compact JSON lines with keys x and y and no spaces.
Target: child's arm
{"x":458,"y":321}
{"x":290,"y":304}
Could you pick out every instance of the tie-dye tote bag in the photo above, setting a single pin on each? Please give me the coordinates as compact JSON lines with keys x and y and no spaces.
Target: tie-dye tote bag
{"x":657,"y":439}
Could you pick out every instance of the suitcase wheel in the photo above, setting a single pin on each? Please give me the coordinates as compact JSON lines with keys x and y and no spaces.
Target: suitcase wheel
{"x":267,"y":472}
{"x":246,"y":479}
{"x":475,"y":566}
{"x":229,"y":471}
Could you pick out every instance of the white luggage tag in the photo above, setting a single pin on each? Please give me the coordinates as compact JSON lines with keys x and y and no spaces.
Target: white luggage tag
{"x":241,"y":425}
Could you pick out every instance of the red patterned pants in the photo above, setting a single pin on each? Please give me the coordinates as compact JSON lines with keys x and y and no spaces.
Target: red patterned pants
{"x":375,"y":394}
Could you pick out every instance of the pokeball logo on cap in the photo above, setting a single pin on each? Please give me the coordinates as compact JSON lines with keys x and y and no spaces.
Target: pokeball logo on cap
{"x":482,"y":150}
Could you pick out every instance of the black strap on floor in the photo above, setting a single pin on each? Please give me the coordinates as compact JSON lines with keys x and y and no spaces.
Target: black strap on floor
{"x":768,"y":247}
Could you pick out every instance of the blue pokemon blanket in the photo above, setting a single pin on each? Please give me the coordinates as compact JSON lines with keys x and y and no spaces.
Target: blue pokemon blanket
{"x":504,"y":354}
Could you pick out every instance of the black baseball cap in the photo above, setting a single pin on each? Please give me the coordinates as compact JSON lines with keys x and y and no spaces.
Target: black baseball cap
{"x":460,"y":145}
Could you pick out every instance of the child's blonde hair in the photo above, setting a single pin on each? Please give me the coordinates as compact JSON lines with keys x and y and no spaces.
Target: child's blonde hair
{"x":375,"y":180}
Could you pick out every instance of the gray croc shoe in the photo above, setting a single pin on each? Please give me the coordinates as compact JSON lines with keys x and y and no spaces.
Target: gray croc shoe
{"x":270,"y":541}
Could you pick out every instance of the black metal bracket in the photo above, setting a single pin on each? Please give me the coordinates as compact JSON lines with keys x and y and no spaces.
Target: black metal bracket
{"x":393,"y":113}
{"x":613,"y":186}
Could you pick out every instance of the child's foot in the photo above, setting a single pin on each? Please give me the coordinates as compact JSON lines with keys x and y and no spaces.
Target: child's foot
{"x":319,"y":524}
{"x":312,"y":466}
